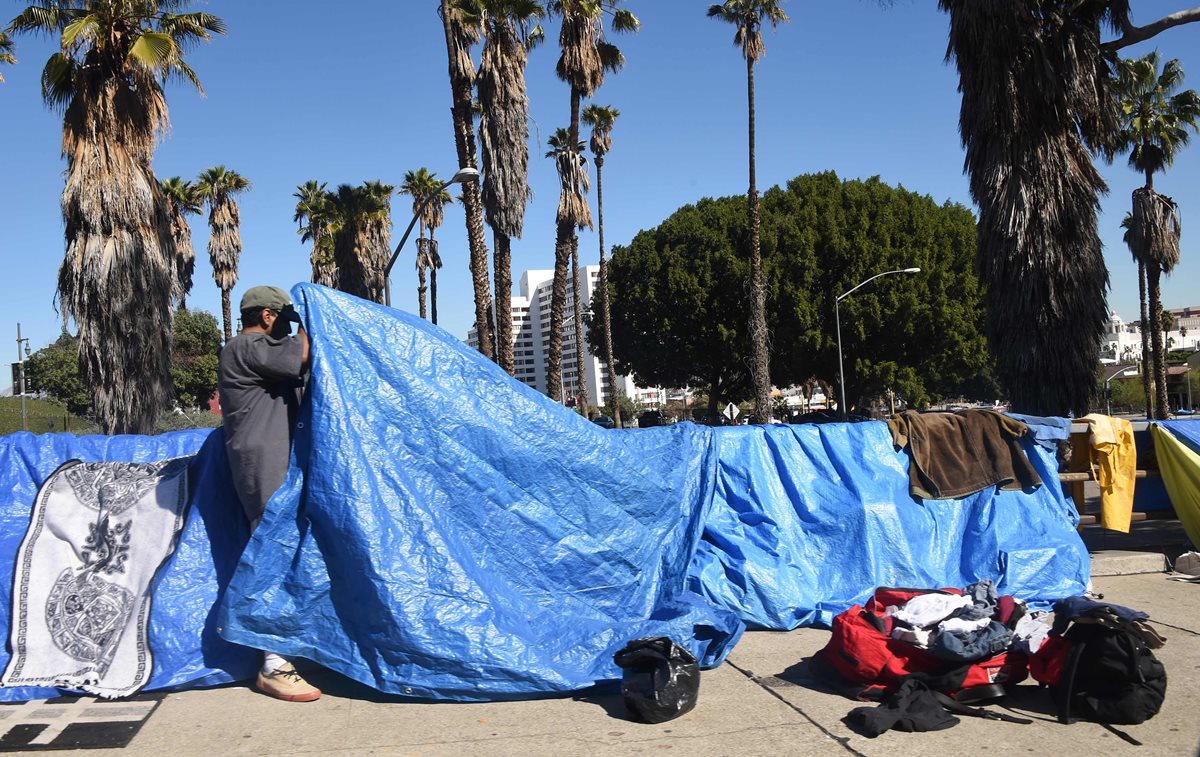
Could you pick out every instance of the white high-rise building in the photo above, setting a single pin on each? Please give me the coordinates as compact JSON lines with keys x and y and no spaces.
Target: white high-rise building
{"x":531,"y":342}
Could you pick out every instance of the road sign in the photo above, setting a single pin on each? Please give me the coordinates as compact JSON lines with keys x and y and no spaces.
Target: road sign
{"x":731,"y":411}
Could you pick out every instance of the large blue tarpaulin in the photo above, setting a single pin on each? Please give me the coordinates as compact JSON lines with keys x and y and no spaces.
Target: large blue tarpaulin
{"x":447,"y":532}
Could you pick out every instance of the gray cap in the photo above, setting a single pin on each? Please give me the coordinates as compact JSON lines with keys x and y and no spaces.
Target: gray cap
{"x":265,"y":297}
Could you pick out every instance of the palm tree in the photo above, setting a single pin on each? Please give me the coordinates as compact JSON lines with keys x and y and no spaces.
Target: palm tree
{"x":1155,"y":123}
{"x":1037,"y":100}
{"x":586,"y":56}
{"x":509,"y":33}
{"x":6,"y":51}
{"x":118,"y":276}
{"x":748,"y":17}
{"x":1143,"y":328}
{"x":361,"y":221}
{"x":601,"y":118}
{"x":183,"y":198}
{"x":573,"y":180}
{"x":218,"y":185}
{"x":314,"y":216}
{"x":462,"y":31}
{"x":421,"y":185}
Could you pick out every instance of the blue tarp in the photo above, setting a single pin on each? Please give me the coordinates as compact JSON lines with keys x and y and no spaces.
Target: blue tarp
{"x":447,"y":532}
{"x":809,"y":519}
{"x":1186,"y":431}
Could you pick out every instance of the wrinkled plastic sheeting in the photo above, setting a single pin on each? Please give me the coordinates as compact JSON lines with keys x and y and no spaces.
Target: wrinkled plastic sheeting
{"x":1187,"y":431}
{"x":450,"y":533}
{"x":183,"y":637}
{"x":808,"y":520}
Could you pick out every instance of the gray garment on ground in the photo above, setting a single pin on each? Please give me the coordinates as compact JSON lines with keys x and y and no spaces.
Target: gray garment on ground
{"x":260,"y":383}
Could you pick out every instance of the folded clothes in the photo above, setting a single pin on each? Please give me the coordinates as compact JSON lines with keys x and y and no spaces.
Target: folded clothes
{"x":983,"y":600}
{"x":1031,"y":632}
{"x":916,"y":636}
{"x":976,"y":645}
{"x":963,"y":625}
{"x":1046,"y":431}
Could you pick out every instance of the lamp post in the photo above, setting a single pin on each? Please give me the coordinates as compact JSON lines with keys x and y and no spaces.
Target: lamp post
{"x":1107,"y":394}
{"x":838,"y":320}
{"x":21,"y":376}
{"x":463,"y":175}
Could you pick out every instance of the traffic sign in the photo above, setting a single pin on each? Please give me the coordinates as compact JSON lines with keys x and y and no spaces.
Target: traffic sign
{"x":731,"y":411}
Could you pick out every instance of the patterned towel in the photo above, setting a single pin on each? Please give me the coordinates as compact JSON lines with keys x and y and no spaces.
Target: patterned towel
{"x":81,"y":593}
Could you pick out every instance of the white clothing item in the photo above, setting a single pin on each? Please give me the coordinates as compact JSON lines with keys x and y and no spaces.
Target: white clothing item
{"x":961,"y":625}
{"x":271,"y":663}
{"x":928,"y":610}
{"x":915,"y":636}
{"x":1031,"y":631}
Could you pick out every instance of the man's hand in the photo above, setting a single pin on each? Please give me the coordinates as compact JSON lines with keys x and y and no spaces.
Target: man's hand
{"x":306,"y":355}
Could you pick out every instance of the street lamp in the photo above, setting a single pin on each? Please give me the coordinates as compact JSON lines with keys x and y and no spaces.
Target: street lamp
{"x":21,"y":376}
{"x":1107,"y":395}
{"x":838,"y":320}
{"x":463,"y":175}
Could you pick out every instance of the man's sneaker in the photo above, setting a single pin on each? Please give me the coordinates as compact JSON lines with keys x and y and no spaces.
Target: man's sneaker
{"x":286,"y":683}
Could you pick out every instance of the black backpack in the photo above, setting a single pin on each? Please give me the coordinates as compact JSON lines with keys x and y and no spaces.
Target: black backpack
{"x":1105,"y":675}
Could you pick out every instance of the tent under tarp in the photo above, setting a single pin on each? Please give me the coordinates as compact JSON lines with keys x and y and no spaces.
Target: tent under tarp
{"x":447,"y":532}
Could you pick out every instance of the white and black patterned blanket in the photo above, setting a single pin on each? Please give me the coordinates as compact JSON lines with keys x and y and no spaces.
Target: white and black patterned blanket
{"x":81,"y":593}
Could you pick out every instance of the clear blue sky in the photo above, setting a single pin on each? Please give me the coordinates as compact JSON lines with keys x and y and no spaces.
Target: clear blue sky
{"x":358,"y":90}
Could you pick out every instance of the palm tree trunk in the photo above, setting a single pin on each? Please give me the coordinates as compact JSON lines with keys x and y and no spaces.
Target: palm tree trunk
{"x":1145,"y":324}
{"x":614,"y":405}
{"x":558,"y":298}
{"x":582,"y":396}
{"x":225,"y":313}
{"x":421,"y":287}
{"x":1161,"y":408}
{"x":433,"y":295}
{"x":464,"y":142}
{"x":502,"y":263}
{"x":759,"y":361}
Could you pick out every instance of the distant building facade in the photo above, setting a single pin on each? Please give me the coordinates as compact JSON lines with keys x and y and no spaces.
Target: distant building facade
{"x":531,"y":343}
{"x":1123,"y":341}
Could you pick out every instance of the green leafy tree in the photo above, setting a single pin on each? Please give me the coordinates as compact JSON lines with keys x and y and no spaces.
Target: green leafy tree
{"x":55,"y":370}
{"x":194,"y":357}
{"x":360,"y":221}
{"x":218,"y":186}
{"x":748,"y":17}
{"x":430,"y":200}
{"x":118,"y":277}
{"x":1156,"y":123}
{"x":677,"y":320}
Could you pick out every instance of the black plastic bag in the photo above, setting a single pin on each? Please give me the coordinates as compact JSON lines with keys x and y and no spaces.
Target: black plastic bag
{"x":661,"y":679}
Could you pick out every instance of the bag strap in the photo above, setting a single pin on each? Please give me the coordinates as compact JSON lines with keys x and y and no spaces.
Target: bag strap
{"x":958,"y":708}
{"x":1066,"y":687}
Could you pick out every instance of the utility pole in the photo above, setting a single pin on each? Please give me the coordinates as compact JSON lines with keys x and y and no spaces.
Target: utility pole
{"x":21,"y":376}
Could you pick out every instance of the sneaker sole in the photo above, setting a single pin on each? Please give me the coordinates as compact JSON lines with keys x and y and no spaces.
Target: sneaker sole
{"x":311,"y":696}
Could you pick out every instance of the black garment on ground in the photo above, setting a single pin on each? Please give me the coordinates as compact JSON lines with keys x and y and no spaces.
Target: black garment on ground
{"x":912,"y":708}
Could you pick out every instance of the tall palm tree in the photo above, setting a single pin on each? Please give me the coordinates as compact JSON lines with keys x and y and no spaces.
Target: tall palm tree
{"x":571,"y":164}
{"x":586,"y":57}
{"x":117,"y":279}
{"x":6,"y":51}
{"x":218,"y":186}
{"x":314,"y":216}
{"x":421,"y":185}
{"x":1037,"y":101}
{"x":183,"y":199}
{"x":1156,"y":121}
{"x":748,"y":17}
{"x":601,"y":118}
{"x":509,"y":33}
{"x":462,"y":32}
{"x":1143,"y":328}
{"x":361,"y":218}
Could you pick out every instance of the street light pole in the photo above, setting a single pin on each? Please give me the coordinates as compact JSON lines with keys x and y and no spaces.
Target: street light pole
{"x":463,"y":175}
{"x":838,"y":320}
{"x":21,"y":376}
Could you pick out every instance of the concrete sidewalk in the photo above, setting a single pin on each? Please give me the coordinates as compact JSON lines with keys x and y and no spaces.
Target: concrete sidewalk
{"x":760,"y":702}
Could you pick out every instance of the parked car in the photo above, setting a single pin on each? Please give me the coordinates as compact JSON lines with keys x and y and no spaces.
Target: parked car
{"x":651,"y":418}
{"x":603,"y":421}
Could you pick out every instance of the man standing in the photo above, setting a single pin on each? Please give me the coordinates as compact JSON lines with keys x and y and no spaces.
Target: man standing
{"x":260,"y":378}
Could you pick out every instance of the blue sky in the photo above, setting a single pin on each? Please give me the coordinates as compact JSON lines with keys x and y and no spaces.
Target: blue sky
{"x":357,"y":90}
